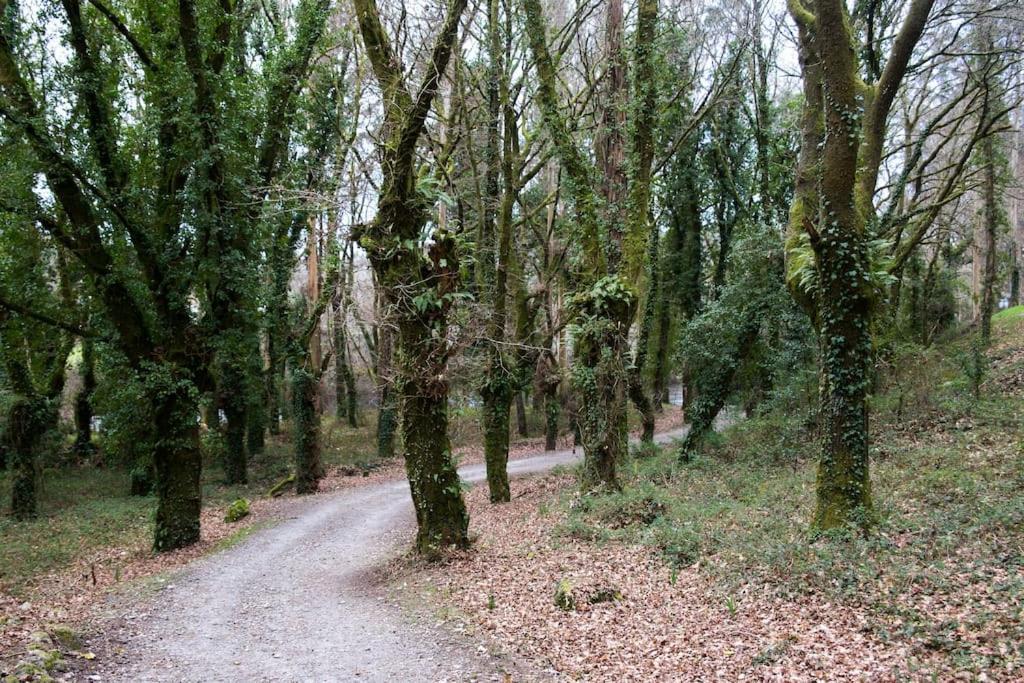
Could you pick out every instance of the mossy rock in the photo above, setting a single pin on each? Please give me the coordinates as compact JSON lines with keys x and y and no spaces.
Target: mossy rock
{"x":28,"y":671}
{"x":237,"y":510}
{"x":65,"y":636}
{"x":40,"y":639}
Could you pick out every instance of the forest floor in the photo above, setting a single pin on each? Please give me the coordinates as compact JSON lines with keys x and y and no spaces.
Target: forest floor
{"x":706,"y":571}
{"x":81,"y":592}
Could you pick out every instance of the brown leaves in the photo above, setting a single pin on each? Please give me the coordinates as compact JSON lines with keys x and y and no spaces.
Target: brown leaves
{"x":665,"y":626}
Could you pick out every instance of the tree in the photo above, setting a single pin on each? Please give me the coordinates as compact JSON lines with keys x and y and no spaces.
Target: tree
{"x":604,"y":303}
{"x":33,"y":354}
{"x":151,"y":200}
{"x":418,"y":277}
{"x":843,"y":126}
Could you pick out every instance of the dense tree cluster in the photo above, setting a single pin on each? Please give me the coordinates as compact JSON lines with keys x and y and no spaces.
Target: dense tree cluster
{"x":212,"y":210}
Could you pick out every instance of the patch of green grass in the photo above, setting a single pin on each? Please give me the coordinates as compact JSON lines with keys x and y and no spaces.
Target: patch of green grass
{"x":1009,"y":314}
{"x":80,"y":510}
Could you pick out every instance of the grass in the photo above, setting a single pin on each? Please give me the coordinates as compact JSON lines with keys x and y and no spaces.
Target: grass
{"x":1009,"y":314}
{"x":943,"y":570}
{"x":81,"y":510}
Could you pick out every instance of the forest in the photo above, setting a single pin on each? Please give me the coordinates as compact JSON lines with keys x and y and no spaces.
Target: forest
{"x":522,"y":340}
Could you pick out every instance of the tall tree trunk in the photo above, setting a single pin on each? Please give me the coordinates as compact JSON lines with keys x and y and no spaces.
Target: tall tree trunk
{"x":493,"y":254}
{"x":344,"y":379}
{"x":548,"y":381}
{"x":606,"y":304}
{"x":990,"y":230}
{"x":351,"y":393}
{"x":661,"y":354}
{"x":340,"y":400}
{"x":387,"y":409}
{"x":522,"y":424}
{"x":256,"y":411}
{"x":233,"y":398}
{"x":496,"y":410}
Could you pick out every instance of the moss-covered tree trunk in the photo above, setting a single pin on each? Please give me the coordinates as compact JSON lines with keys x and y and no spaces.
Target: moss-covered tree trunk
{"x":548,"y":381}
{"x":714,"y":390}
{"x":493,"y":252}
{"x":306,"y":423}
{"x":84,"y":446}
{"x":605,"y":304}
{"x":600,"y":378}
{"x":843,"y":127}
{"x":232,"y":390}
{"x":441,"y":516}
{"x":497,"y":400}
{"x":26,"y":424}
{"x":177,"y":462}
{"x":990,"y":228}
{"x":419,"y":285}
{"x":387,"y":409}
{"x":661,"y":354}
{"x":344,"y":378}
{"x":843,"y":489}
{"x":256,"y":416}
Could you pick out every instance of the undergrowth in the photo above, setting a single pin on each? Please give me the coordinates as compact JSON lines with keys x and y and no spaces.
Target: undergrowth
{"x":943,"y":569}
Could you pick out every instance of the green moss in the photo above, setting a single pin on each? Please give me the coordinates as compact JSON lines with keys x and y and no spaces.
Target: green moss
{"x":237,"y":510}
{"x":65,"y":636}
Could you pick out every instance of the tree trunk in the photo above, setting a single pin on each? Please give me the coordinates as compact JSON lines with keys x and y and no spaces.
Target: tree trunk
{"x":552,"y":411}
{"x":178,"y":466}
{"x":84,"y":446}
{"x":387,"y":418}
{"x":843,"y":488}
{"x":352,"y":395}
{"x":274,"y":372}
{"x":522,"y":424}
{"x":497,"y":401}
{"x":340,"y":401}
{"x":548,"y":381}
{"x":704,"y":410}
{"x":233,"y":398}
{"x":255,"y":429}
{"x":601,"y":383}
{"x":26,"y":423}
{"x":308,"y":468}
{"x":661,"y":354}
{"x":441,"y":515}
{"x":991,"y":219}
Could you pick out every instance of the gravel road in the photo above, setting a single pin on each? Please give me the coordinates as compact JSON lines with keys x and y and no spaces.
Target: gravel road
{"x":294,"y":602}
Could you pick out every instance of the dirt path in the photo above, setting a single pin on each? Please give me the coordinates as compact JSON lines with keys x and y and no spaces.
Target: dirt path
{"x":294,"y":603}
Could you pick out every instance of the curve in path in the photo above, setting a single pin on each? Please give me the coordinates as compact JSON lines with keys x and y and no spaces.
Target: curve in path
{"x":292,"y":602}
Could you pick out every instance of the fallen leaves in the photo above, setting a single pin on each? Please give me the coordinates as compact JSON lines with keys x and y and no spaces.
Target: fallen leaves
{"x":528,"y":592}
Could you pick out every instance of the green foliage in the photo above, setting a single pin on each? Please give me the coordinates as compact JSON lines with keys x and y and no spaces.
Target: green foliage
{"x":564,"y":598}
{"x":802,"y":267}
{"x":975,"y":365}
{"x":213,"y":446}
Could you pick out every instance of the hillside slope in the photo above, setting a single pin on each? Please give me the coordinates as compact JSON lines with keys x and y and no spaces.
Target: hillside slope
{"x":707,"y":570}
